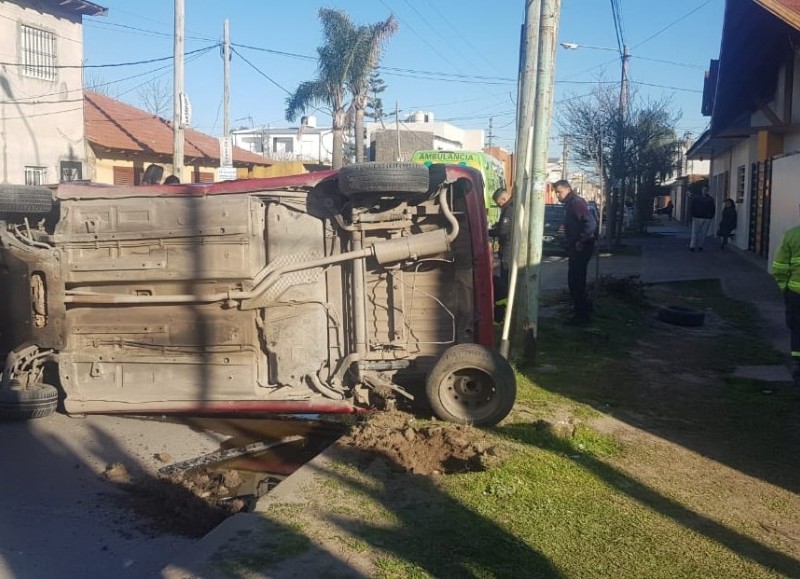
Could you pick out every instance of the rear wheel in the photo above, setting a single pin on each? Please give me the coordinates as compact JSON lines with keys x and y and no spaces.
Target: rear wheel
{"x":384,"y":178}
{"x":25,"y":200}
{"x":37,"y":401}
{"x":471,"y":384}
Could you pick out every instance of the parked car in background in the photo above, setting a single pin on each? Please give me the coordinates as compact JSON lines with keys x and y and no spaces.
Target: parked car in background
{"x":325,"y":292}
{"x":553,"y":235}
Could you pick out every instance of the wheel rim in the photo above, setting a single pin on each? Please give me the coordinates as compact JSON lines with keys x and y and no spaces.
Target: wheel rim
{"x":468,"y":392}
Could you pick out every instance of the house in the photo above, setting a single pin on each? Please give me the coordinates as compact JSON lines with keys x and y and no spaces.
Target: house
{"x":123,"y":140}
{"x":686,"y":172}
{"x":306,"y":143}
{"x":418,"y":132}
{"x":41,"y":90}
{"x":754,"y":135}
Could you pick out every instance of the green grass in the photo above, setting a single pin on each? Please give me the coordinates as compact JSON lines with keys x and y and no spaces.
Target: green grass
{"x":560,"y":505}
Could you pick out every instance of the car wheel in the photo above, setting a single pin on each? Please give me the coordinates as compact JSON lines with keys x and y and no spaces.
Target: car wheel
{"x":25,"y":199}
{"x":470,"y":384}
{"x":38,"y":401}
{"x":681,"y":316}
{"x":384,"y":178}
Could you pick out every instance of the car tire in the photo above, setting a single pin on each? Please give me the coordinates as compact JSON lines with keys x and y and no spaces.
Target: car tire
{"x":395,"y":178}
{"x":25,"y":200}
{"x":471,"y":384}
{"x":681,"y":316}
{"x":37,"y":401}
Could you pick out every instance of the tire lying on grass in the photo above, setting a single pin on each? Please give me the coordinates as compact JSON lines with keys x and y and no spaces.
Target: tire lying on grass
{"x":471,"y":384}
{"x":38,"y":401}
{"x":384,"y":178}
{"x":25,"y":200}
{"x":681,"y":316}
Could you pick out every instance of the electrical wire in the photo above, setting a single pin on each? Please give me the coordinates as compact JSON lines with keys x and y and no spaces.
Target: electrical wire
{"x":673,"y":23}
{"x":262,"y":73}
{"x":110,"y":65}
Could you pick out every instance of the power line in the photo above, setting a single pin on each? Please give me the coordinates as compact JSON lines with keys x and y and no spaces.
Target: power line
{"x":671,"y":24}
{"x":110,"y":65}
{"x":262,"y":73}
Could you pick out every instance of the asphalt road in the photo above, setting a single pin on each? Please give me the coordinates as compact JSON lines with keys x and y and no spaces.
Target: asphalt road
{"x":57,"y":515}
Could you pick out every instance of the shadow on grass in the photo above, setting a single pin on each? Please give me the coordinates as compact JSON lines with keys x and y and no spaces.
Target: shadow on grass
{"x":672,"y":381}
{"x":646,"y":496}
{"x":464,"y":544}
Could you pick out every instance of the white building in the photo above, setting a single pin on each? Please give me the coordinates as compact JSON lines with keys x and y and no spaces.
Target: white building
{"x":41,"y":87}
{"x":442,"y":135}
{"x":307,"y":142}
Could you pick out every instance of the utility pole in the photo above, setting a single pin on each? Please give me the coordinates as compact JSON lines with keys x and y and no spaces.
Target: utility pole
{"x":178,"y":96}
{"x":543,"y":115}
{"x":526,"y":88}
{"x":565,"y":157}
{"x":397,"y":129}
{"x":226,"y":90}
{"x":618,"y":199}
{"x":490,"y":136}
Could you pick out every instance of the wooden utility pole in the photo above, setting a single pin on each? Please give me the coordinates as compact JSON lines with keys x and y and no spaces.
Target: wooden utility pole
{"x":178,"y":96}
{"x":226,"y":87}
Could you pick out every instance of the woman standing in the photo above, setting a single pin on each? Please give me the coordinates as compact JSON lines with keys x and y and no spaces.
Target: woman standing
{"x":728,"y":223}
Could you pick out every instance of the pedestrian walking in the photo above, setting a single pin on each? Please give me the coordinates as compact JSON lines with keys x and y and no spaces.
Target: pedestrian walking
{"x":580,"y":232}
{"x":786,"y":271}
{"x":701,"y":209}
{"x":727,"y":224}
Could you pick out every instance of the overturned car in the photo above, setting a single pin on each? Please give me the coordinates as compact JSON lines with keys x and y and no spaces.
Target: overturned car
{"x":318,"y":293}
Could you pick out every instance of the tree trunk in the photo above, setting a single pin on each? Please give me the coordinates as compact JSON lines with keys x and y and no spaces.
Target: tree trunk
{"x":338,"y":139}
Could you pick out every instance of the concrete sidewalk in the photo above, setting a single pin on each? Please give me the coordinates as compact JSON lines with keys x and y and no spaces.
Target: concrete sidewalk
{"x":664,"y":257}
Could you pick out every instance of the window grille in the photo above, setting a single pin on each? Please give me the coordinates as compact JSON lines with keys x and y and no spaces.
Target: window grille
{"x":35,"y":175}
{"x":38,"y":49}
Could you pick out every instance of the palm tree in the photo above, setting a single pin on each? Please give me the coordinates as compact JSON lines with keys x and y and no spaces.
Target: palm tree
{"x":346,"y":50}
{"x":369,"y":45}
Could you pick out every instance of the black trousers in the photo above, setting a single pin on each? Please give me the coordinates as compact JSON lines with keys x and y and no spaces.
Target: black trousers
{"x":576,"y":279}
{"x":792,"y":301}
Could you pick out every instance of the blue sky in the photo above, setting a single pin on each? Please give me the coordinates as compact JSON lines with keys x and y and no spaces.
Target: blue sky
{"x":476,"y":39}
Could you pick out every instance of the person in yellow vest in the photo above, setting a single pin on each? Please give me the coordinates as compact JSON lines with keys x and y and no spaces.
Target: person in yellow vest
{"x":786,"y":271}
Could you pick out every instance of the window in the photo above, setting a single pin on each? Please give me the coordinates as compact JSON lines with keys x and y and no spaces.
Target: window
{"x":35,"y":175}
{"x":38,"y":53}
{"x":123,"y":176}
{"x":282,"y":144}
{"x":71,"y":171}
{"x":204,"y":177}
{"x":740,"y":174}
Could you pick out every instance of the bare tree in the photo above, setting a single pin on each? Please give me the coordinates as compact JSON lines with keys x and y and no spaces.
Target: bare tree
{"x":94,"y":81}
{"x":156,"y":98}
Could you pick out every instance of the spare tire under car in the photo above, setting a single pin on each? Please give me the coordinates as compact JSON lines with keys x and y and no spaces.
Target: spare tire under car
{"x":25,"y":199}
{"x":384,"y":178}
{"x":681,"y":316}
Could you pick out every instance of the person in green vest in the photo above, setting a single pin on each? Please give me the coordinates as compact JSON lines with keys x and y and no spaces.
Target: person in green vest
{"x":786,"y":271}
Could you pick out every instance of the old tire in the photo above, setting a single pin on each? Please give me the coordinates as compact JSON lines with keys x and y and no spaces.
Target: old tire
{"x":25,"y":200}
{"x":470,"y":384}
{"x":681,"y":316}
{"x":37,"y":401}
{"x":395,"y":178}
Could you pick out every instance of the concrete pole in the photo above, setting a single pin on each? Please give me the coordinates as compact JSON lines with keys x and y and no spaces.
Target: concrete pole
{"x":226,"y":86}
{"x":177,"y":89}
{"x":543,"y":115}
{"x":526,"y":85}
{"x":565,"y":158}
{"x":397,"y":128}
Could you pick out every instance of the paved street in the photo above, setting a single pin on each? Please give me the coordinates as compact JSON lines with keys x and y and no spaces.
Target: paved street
{"x":58,"y":516}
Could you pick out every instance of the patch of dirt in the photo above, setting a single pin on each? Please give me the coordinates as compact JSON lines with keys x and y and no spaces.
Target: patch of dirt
{"x":424,"y":448}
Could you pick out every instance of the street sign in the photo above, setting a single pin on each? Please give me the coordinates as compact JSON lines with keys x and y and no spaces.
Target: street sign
{"x":225,"y":152}
{"x":226,"y":174}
